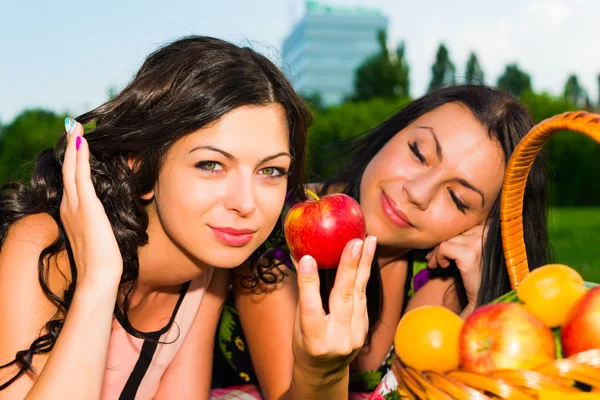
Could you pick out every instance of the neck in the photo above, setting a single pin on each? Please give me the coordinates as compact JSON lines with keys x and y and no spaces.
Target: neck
{"x":387,"y":255}
{"x":163,"y":264}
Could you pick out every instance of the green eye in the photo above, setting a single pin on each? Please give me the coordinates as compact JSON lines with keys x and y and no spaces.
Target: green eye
{"x":208,"y":165}
{"x":270,"y":171}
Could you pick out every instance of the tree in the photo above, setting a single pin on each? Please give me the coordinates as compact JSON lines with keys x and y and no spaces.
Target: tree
{"x":443,"y":70}
{"x":314,"y":100}
{"x":340,"y":123}
{"x":111,"y":92}
{"x":29,"y":133}
{"x":384,"y":74}
{"x":574,"y":92}
{"x":473,"y":73}
{"x":514,"y":81}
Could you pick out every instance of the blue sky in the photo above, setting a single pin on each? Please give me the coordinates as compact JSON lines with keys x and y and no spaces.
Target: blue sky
{"x":64,"y":55}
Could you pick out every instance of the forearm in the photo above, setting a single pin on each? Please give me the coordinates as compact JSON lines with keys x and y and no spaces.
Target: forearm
{"x":76,"y":366}
{"x":308,"y":386}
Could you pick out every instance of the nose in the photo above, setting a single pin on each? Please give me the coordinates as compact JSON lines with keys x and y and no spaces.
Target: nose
{"x":240,"y":195}
{"x":419,"y":191}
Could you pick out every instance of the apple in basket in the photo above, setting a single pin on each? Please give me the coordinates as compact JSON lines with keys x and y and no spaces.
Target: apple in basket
{"x":321,"y":227}
{"x":581,"y":332}
{"x":504,"y":336}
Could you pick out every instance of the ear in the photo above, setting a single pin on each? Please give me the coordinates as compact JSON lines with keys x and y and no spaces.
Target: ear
{"x":148,"y":196}
{"x":134,"y":166}
{"x":131,"y":161}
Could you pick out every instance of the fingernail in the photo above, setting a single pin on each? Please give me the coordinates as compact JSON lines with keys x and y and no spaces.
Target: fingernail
{"x":70,"y":125}
{"x":77,"y":142}
{"x":356,"y":249}
{"x":371,"y":245}
{"x":306,"y":265}
{"x":428,"y":256}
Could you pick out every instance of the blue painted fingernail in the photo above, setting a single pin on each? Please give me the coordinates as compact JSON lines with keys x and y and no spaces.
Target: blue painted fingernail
{"x":77,"y":142}
{"x":70,"y":125}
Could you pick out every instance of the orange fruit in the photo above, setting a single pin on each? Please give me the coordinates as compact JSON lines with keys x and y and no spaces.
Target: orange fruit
{"x":427,"y":338}
{"x":549,"y":292}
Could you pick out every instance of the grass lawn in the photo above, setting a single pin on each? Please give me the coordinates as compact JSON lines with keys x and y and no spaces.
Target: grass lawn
{"x":575,"y":238}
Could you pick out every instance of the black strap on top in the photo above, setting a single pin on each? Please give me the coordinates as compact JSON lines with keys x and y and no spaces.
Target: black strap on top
{"x":151,"y":340}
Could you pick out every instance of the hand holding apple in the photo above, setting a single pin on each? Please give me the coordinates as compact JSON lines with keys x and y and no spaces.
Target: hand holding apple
{"x":321,"y":227}
{"x":325,"y":343}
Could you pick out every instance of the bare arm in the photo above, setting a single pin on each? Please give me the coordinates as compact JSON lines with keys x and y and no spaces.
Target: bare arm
{"x":268,"y":323}
{"x":393,"y":277}
{"x":24,"y":309}
{"x":189,"y":375}
{"x":438,"y":291}
{"x":75,"y":367}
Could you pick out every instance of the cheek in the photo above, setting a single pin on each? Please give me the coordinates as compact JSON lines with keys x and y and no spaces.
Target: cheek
{"x":181,"y":197}
{"x":375,"y":172}
{"x":444,"y":222}
{"x":270,"y":203}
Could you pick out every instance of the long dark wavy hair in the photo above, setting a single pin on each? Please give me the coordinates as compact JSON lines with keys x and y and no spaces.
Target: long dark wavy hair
{"x":180,"y":88}
{"x":507,"y":122}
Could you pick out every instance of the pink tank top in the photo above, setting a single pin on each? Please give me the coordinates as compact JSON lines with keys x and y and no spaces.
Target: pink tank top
{"x":135,"y":366}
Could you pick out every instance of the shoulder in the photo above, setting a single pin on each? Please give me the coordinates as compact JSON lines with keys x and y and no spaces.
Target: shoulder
{"x":25,"y":306}
{"x":37,"y":230}
{"x":25,"y":241}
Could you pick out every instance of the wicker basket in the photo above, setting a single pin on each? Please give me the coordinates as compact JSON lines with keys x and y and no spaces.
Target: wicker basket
{"x":553,"y":380}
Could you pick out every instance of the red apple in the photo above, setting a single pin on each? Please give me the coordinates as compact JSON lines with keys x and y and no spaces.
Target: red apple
{"x":581,"y":332}
{"x":504,"y":336}
{"x":321,"y":227}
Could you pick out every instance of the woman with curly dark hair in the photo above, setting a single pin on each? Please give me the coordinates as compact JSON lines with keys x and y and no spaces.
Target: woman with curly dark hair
{"x":115,"y":258}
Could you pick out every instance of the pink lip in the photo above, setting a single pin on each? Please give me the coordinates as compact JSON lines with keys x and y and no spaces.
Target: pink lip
{"x":393,"y":213}
{"x":233,"y":237}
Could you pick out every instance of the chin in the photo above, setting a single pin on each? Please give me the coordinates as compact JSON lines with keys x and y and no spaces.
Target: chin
{"x":397,"y":242}
{"x":229,"y":260}
{"x":227,"y":257}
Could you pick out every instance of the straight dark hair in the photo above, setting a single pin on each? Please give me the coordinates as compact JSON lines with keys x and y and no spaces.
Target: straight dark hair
{"x":180,"y":88}
{"x":506,"y":122}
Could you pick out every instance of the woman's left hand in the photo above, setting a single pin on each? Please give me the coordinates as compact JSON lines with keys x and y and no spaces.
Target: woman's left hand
{"x":465,"y":250}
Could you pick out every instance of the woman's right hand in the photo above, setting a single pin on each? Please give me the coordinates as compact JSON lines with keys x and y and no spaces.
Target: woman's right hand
{"x":324,"y":345}
{"x":95,"y":249}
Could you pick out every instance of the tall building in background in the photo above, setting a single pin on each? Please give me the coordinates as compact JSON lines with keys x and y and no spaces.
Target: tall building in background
{"x":326,"y":46}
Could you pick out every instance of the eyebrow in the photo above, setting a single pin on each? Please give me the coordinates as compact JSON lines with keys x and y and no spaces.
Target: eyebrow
{"x":231,"y":157}
{"x":438,"y":148}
